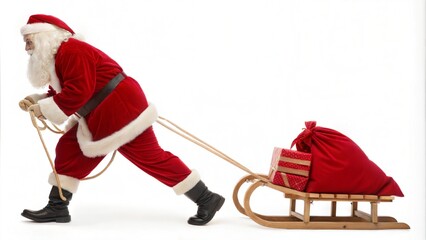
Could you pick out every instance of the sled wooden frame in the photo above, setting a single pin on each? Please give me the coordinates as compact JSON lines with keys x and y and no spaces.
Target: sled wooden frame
{"x":356,"y":220}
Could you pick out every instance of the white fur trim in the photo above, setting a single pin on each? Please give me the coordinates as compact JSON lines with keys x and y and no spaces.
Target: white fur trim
{"x":188,"y":183}
{"x":37,"y":96}
{"x":37,"y":27}
{"x":79,"y":36}
{"x":108,"y":144}
{"x":68,"y":183}
{"x":72,"y":121}
{"x":51,"y":111}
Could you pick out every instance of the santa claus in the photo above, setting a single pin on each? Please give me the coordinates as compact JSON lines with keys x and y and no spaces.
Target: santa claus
{"x":109,"y":111}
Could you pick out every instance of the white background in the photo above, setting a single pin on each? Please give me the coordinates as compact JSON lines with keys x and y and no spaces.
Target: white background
{"x":244,"y":76}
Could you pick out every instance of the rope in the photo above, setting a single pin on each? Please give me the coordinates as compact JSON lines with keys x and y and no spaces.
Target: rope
{"x":162,"y":121}
{"x":190,"y":137}
{"x":39,"y":129}
{"x":103,"y":170}
{"x":55,"y":129}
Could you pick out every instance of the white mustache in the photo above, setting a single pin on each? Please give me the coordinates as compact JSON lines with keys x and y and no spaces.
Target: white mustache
{"x":30,"y":52}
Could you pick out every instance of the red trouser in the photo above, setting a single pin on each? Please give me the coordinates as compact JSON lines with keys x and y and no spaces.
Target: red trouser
{"x":144,"y":151}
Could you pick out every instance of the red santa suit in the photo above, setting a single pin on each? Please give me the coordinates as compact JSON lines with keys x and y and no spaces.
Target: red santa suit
{"x":121,"y":121}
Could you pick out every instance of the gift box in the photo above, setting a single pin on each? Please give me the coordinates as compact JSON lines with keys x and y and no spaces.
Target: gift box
{"x":290,"y":168}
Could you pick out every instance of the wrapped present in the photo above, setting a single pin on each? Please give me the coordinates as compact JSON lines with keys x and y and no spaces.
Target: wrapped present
{"x":290,"y":168}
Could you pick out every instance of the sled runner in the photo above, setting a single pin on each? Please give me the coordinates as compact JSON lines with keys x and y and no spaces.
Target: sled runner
{"x":356,"y":219}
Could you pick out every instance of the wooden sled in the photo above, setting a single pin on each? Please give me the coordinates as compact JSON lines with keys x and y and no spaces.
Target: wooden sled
{"x":356,"y":220}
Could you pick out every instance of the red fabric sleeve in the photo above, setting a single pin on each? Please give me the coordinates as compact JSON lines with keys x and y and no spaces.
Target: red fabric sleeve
{"x":78,"y":73}
{"x":77,"y":70}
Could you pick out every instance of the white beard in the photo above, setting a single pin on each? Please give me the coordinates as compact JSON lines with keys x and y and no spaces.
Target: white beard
{"x":39,"y":68}
{"x":41,"y":65}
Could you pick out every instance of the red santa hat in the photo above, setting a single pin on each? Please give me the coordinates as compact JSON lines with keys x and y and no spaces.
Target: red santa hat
{"x":43,"y":23}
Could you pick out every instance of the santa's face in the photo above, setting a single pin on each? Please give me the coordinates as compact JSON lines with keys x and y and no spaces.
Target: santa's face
{"x":29,"y":45}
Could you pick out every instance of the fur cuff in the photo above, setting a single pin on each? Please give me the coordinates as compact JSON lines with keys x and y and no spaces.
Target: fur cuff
{"x":37,"y":97}
{"x":51,"y":111}
{"x":68,"y":183}
{"x":188,"y":183}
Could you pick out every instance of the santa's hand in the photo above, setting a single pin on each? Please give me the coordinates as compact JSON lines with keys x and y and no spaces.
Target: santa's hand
{"x":35,"y":108}
{"x":25,"y":103}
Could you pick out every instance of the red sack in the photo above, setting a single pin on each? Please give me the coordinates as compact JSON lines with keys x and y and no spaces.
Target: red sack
{"x":340,"y":166}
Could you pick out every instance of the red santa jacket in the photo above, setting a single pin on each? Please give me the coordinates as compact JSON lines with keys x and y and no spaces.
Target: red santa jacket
{"x":81,"y":70}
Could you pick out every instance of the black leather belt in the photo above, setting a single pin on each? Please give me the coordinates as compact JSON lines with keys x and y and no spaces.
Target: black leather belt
{"x":101,"y":95}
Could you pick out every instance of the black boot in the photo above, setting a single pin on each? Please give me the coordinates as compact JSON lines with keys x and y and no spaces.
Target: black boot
{"x":208,"y":203}
{"x":55,"y":211}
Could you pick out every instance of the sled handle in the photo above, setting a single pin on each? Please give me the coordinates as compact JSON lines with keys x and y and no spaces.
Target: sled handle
{"x":190,"y":137}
